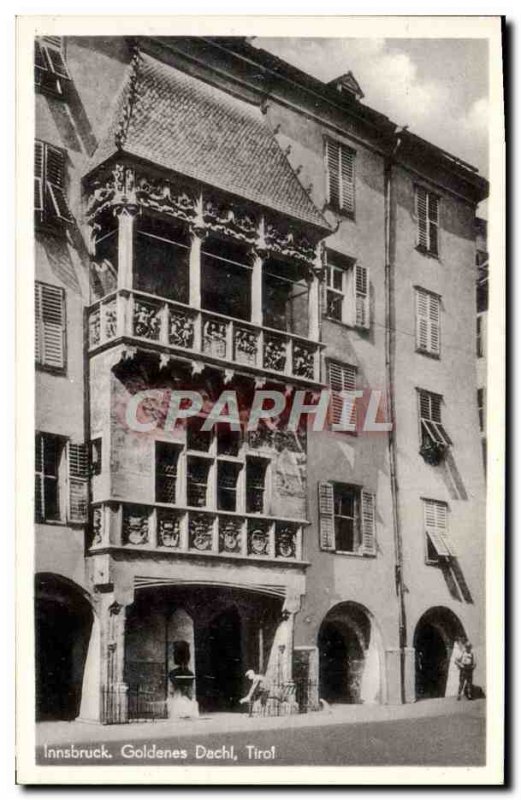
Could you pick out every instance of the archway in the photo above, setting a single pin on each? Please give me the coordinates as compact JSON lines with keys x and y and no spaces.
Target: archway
{"x":63,"y":622}
{"x":436,"y":633}
{"x":349,"y":656}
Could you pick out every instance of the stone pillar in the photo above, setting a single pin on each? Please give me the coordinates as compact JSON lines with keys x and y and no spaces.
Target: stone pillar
{"x":314,"y":306}
{"x":257,"y":316}
{"x":126,"y":215}
{"x":197,"y":234}
{"x":393,"y":672}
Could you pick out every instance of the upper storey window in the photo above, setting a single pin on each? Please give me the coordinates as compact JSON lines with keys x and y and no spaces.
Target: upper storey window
{"x":340,"y":169}
{"x":347,"y":291}
{"x":50,"y":204}
{"x":427,"y":206}
{"x":50,"y":70}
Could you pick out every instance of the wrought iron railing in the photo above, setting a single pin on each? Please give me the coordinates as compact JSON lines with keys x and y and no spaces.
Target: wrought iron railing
{"x":179,"y":327}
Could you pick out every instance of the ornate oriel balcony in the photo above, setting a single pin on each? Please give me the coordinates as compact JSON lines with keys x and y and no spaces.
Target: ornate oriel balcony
{"x":163,"y":529}
{"x":196,"y":332}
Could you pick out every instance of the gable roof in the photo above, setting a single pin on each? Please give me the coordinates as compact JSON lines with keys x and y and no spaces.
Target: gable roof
{"x":185,"y":125}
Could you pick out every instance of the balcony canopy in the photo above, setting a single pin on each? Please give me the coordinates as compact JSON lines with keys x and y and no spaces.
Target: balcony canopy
{"x":185,"y":125}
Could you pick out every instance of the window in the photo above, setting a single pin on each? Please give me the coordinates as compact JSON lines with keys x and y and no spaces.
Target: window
{"x":77,"y":460}
{"x":347,"y":519}
{"x":48,"y":459}
{"x":341,"y":378}
{"x":256,"y":469}
{"x":50,"y":70}
{"x":50,"y":205}
{"x":438,"y":545}
{"x":427,"y":322}
{"x":481,"y":409}
{"x":347,"y":291}
{"x":227,"y":477}
{"x":432,"y":431}
{"x":480,"y":335}
{"x":427,"y":217}
{"x":198,"y":470}
{"x":167,"y":457}
{"x":49,"y":302}
{"x":95,"y":456}
{"x":340,"y":170}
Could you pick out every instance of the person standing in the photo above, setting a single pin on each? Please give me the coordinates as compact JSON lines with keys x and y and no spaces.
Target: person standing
{"x":466,"y":663}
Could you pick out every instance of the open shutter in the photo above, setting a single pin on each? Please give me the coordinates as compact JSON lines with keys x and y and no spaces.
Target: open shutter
{"x":341,"y":377}
{"x":368,"y":523}
{"x":77,"y":459}
{"x":326,"y":509}
{"x":38,"y":175}
{"x":421,"y":217}
{"x":38,"y":337}
{"x":347,"y":170}
{"x":361,"y":289}
{"x":422,"y":320}
{"x":52,"y":325}
{"x":38,"y":477}
{"x":55,"y":180}
{"x":433,"y":213}
{"x":55,"y":57}
{"x":333,"y":172}
{"x":434,"y":319}
{"x":436,"y":526}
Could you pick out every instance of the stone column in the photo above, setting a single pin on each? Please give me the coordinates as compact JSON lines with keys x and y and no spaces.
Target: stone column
{"x":126,"y":214}
{"x":198,"y":234}
{"x":314,"y":306}
{"x":257,"y":316}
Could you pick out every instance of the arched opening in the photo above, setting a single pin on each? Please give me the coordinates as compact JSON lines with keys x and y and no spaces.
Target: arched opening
{"x":63,"y":622}
{"x":436,"y":633}
{"x":349,"y":656}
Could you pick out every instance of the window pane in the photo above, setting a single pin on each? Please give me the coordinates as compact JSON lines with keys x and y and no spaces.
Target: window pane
{"x":51,"y":500}
{"x":334,"y":305}
{"x":255,"y":485}
{"x":227,"y":477}
{"x":345,"y":534}
{"x":197,"y":475}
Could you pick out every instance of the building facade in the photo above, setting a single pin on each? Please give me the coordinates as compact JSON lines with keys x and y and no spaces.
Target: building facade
{"x":209,"y":219}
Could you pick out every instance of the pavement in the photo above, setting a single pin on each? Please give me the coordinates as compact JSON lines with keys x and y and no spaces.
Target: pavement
{"x":430,"y":732}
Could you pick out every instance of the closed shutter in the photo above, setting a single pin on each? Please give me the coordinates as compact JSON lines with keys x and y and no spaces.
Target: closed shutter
{"x":333,"y":172}
{"x":50,"y":325}
{"x":38,"y":478}
{"x":55,"y":181}
{"x":347,"y":171}
{"x":341,"y":378}
{"x":38,"y":175}
{"x":421,"y":217}
{"x":361,"y":299}
{"x":433,"y":213}
{"x":77,"y":459}
{"x":326,"y":509}
{"x":368,"y":523}
{"x":427,"y":322}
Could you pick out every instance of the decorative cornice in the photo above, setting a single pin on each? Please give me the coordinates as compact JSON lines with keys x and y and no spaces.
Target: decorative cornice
{"x":132,"y":96}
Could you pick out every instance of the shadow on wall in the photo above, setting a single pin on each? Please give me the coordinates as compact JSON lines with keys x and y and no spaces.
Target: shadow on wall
{"x":452,"y":478}
{"x":59,"y":259}
{"x":455,"y":580}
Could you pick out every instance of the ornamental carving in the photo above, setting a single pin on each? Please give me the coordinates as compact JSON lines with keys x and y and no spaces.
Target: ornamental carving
{"x":258,"y":539}
{"x":229,"y":220}
{"x":285,"y":540}
{"x":303,"y":360}
{"x":274,"y":352}
{"x":200,"y":531}
{"x":214,"y":338}
{"x":289,"y":244}
{"x":246,"y":345}
{"x":110,"y":320}
{"x":180,"y":328}
{"x":146,"y":320}
{"x":230,"y":535}
{"x":94,"y":327}
{"x":168,"y":530}
{"x":97,"y":526}
{"x":161,"y":195}
{"x":135,"y":526}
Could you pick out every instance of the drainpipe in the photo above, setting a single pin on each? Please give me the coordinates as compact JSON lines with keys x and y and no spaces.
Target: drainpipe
{"x":391,"y":437}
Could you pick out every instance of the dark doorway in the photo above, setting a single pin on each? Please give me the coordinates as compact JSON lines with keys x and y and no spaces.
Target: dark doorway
{"x":434,"y":639}
{"x":220,"y":681}
{"x":341,"y":663}
{"x":63,"y":622}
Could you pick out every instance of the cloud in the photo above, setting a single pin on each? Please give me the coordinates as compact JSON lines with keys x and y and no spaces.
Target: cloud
{"x":439,"y":110}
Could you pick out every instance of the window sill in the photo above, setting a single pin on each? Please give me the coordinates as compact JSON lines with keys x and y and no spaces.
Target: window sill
{"x":58,"y":371}
{"x":428,"y":253}
{"x":349,"y":325}
{"x":340,"y":212}
{"x":422,"y":352}
{"x":353,"y":555}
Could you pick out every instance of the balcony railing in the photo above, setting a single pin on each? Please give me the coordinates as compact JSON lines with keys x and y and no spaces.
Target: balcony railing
{"x":179,"y":327}
{"x":183,"y":530}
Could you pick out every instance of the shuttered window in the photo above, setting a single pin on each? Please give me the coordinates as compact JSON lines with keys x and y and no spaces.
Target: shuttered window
{"x":340,"y":165}
{"x":78,"y":468}
{"x":361,"y":296}
{"x":432,"y":430}
{"x":49,"y":302}
{"x":481,"y":409}
{"x":341,"y":378}
{"x":428,"y":338}
{"x":427,"y":218}
{"x":335,"y":292}
{"x":50,"y":70}
{"x":435,"y":514}
{"x":50,"y":203}
{"x":347,"y":516}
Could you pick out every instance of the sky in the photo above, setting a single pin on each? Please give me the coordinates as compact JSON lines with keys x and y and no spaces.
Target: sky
{"x":437,"y":87}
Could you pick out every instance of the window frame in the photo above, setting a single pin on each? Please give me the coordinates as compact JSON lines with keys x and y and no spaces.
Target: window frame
{"x":430,"y":296}
{"x":345,"y":206}
{"x":51,"y":75}
{"x":436,"y":536}
{"x":60,"y":479}
{"x":434,"y":428}
{"x":356,"y":493}
{"x":52,"y":210}
{"x":430,"y":196}
{"x":40,"y":359}
{"x":332,"y":411}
